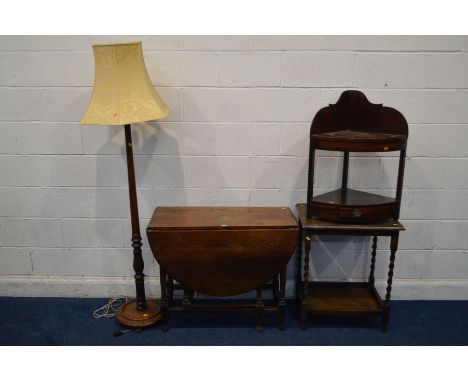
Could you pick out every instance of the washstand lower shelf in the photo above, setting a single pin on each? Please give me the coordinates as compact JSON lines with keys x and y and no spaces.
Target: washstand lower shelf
{"x":342,"y":299}
{"x":349,"y":298}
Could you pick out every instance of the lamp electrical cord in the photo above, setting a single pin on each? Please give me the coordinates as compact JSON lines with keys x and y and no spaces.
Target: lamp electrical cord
{"x":110,"y":309}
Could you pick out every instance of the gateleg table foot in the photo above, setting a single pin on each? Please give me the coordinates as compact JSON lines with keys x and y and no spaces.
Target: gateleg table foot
{"x":260,"y":305}
{"x":164,"y":299}
{"x":304,"y":317}
{"x":282,"y":299}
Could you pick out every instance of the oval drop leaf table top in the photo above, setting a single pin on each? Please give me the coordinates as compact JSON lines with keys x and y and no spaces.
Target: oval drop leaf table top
{"x":181,"y":218}
{"x":223,"y":251}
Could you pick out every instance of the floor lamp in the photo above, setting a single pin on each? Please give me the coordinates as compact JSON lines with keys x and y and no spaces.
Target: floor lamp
{"x":122,"y":95}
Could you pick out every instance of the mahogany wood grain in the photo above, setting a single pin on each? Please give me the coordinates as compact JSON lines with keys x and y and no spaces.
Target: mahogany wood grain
{"x":221,"y":218}
{"x":350,"y":205}
{"x":344,"y":298}
{"x":348,"y":140}
{"x":381,"y":228}
{"x":352,"y":124}
{"x":223,"y":262}
{"x":351,"y":198}
{"x":138,"y":264}
{"x":344,"y":173}
{"x":353,"y":112}
{"x":223,"y":251}
{"x":332,"y":298}
{"x":355,"y":124}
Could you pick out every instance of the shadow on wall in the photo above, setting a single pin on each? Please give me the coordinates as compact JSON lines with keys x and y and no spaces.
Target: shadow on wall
{"x":113,"y":202}
{"x":210,"y":179}
{"x":419,"y":209}
{"x":348,"y":257}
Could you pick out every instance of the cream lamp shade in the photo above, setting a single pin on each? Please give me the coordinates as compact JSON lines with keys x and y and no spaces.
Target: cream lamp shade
{"x":122,"y":93}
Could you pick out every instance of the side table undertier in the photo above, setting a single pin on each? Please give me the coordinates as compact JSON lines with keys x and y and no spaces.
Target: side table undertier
{"x":223,"y":251}
{"x":344,"y":298}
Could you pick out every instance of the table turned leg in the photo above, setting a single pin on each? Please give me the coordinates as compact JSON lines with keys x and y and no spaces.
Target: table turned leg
{"x":164,"y":310}
{"x":393,"y":249}
{"x":259,"y":306}
{"x":275,"y":289}
{"x":188,"y":298}
{"x":170,"y":289}
{"x":305,"y":289}
{"x":372,"y":266}
{"x":282,"y":299}
{"x":299,"y":269}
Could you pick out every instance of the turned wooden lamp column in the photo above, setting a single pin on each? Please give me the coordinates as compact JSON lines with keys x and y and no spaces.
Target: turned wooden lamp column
{"x":123,"y":94}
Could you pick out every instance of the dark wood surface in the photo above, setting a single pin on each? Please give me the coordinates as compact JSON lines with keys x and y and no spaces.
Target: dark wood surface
{"x":359,"y":142}
{"x":354,"y":118}
{"x":138,"y":264}
{"x":350,"y":197}
{"x":343,"y":298}
{"x":223,"y":262}
{"x":348,"y":205}
{"x":386,"y":227}
{"x":333,"y":298}
{"x":142,"y":312}
{"x":355,"y":124}
{"x":352,"y":124}
{"x":221,"y":218}
{"x":223,"y":251}
{"x":358,"y":136}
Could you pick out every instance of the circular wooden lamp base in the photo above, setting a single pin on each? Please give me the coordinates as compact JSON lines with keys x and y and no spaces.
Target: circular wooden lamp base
{"x":128,"y":314}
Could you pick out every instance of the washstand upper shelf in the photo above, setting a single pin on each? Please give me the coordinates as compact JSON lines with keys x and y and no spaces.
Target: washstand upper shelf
{"x":354,"y":124}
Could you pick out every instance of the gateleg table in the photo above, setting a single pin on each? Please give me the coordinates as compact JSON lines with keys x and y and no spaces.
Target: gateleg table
{"x":223,"y":251}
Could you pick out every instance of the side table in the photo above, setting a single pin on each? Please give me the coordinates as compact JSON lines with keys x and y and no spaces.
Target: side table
{"x":223,"y":251}
{"x":344,"y":298}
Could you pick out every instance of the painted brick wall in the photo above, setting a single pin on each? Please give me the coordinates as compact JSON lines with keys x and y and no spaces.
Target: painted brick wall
{"x":237,"y":136}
